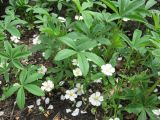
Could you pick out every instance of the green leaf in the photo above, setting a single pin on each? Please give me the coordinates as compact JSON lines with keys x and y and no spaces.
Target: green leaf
{"x":23,"y":76}
{"x":142,"y":116}
{"x":10,"y":91}
{"x":133,"y":5}
{"x":4,"y":55}
{"x":33,"y":77}
{"x":88,"y":19}
{"x":134,"y":108}
{"x":96,"y":59}
{"x":63,"y":54}
{"x":87,"y":45}
{"x":150,"y":3}
{"x":110,"y":5}
{"x":40,"y":11}
{"x":17,"y":64}
{"x":8,"y":48}
{"x":68,"y":41}
{"x":20,"y":98}
{"x":156,"y":52}
{"x":35,"y":90}
{"x":83,"y":63}
{"x":13,"y":31}
{"x":22,"y":55}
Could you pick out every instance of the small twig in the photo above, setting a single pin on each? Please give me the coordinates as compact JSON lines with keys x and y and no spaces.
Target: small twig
{"x":11,"y":116}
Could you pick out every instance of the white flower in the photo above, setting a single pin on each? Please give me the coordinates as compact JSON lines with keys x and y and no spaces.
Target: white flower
{"x":77,"y":17}
{"x":61,"y":83}
{"x":95,"y":99}
{"x":71,"y":95}
{"x":42,"y":70}
{"x":30,"y":106}
{"x":0,"y":82}
{"x":79,"y":89}
{"x":75,"y":112}
{"x":50,"y":107}
{"x":47,"y":86}
{"x":156,"y":112}
{"x":62,"y":97}
{"x":155,"y":90}
{"x":120,"y":106}
{"x":36,"y":40}
{"x":38,"y":102}
{"x":159,"y":73}
{"x":98,"y":80}
{"x":77,"y":72}
{"x":116,"y":118}
{"x":47,"y":100}
{"x":61,"y":19}
{"x":107,"y":69}
{"x":79,"y":104}
{"x":158,"y":97}
{"x":41,"y":108}
{"x":75,"y":62}
{"x":125,"y":19}
{"x":83,"y":112}
{"x":111,"y":119}
{"x":1,"y":113}
{"x":15,"y":39}
{"x":119,"y":58}
{"x":43,"y":54}
{"x":68,"y":110}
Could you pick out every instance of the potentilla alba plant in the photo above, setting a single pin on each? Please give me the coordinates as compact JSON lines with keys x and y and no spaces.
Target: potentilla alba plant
{"x":77,"y":72}
{"x":47,"y":86}
{"x":96,"y":99}
{"x":107,"y":69}
{"x":71,"y":95}
{"x":42,"y":70}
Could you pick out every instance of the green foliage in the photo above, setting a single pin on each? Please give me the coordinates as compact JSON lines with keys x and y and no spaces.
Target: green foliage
{"x":85,"y":34}
{"x":27,"y":79}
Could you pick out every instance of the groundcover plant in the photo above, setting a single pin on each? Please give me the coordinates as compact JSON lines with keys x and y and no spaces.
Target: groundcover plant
{"x":79,"y":60}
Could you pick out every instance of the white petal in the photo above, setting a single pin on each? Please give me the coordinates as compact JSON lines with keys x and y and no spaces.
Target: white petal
{"x":50,"y":107}
{"x":47,"y":100}
{"x":79,"y":104}
{"x":1,"y":113}
{"x":68,"y":110}
{"x":75,"y":112}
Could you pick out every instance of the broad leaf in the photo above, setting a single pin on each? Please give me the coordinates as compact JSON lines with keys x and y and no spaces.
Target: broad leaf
{"x":35,"y":90}
{"x":83,"y":63}
{"x":63,"y":54}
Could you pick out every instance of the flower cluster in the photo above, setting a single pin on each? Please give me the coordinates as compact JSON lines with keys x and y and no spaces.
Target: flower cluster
{"x":47,"y":86}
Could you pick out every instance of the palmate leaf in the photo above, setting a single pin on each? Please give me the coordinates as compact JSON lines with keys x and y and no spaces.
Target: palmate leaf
{"x":17,"y":64}
{"x":32,"y":77}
